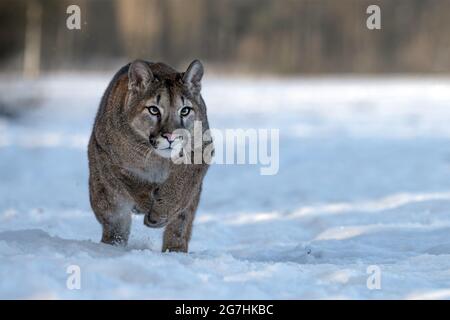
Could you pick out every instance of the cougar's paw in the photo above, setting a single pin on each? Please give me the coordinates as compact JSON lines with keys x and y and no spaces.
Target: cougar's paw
{"x":115,"y":240}
{"x":136,"y":210}
{"x":175,"y":246}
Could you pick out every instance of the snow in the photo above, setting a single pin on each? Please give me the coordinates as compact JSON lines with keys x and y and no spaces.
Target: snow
{"x":364,"y":181}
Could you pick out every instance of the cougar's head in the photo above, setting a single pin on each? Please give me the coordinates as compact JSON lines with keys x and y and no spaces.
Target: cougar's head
{"x":163,"y":104}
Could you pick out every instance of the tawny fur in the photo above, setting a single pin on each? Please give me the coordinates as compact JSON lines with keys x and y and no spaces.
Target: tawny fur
{"x":126,"y":174}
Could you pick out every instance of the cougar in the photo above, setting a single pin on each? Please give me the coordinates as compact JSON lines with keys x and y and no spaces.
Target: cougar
{"x":132,"y":167}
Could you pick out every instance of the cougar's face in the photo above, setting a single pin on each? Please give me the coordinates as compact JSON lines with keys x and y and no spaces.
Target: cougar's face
{"x":164,"y":120}
{"x":165,"y":110}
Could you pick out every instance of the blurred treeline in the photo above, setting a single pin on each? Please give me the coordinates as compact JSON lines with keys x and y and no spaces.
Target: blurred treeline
{"x":279,"y":36}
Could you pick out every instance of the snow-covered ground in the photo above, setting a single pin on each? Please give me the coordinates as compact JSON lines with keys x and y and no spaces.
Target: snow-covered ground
{"x":363,"y":184}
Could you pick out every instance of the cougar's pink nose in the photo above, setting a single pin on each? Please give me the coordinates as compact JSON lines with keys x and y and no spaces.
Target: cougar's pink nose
{"x":169,"y":136}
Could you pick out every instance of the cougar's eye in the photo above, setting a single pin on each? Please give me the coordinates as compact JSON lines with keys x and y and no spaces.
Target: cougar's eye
{"x":185,"y":111}
{"x":153,"y":110}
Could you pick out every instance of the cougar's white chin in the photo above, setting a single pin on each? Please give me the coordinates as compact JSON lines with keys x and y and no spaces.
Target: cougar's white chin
{"x":165,"y":153}
{"x":169,"y":153}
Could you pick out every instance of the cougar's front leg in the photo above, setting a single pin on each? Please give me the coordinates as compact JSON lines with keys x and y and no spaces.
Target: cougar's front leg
{"x":178,"y":231}
{"x":114,"y":217}
{"x":116,"y":228}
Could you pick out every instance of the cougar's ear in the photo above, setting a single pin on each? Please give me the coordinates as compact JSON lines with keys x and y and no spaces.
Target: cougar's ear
{"x":139,"y":76}
{"x":193,"y":77}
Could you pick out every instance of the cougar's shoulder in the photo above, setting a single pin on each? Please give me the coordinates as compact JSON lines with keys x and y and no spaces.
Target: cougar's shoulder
{"x":113,"y":96}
